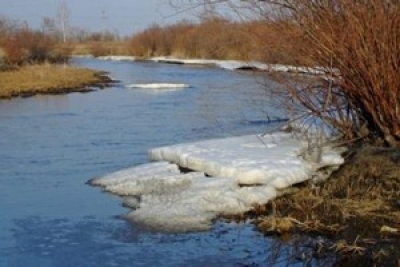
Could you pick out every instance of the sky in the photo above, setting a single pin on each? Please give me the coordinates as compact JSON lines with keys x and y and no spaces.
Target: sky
{"x":122,"y":16}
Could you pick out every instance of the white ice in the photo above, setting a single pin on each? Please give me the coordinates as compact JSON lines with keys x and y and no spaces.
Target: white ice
{"x":229,"y":64}
{"x":135,"y":172}
{"x":117,"y":58}
{"x":230,"y":176}
{"x":237,"y":64}
{"x":159,"y":85}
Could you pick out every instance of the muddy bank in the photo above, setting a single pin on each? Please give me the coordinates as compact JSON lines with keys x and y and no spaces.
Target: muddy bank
{"x":357,"y":211}
{"x":49,"y":79}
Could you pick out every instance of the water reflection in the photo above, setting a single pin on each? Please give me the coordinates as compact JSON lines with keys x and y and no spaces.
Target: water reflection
{"x":89,"y":242}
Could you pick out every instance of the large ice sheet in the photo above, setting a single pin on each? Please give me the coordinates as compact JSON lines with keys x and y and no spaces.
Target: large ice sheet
{"x":254,"y":159}
{"x":229,"y":176}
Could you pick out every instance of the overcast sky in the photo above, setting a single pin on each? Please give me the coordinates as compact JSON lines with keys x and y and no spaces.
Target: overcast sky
{"x":123,"y":16}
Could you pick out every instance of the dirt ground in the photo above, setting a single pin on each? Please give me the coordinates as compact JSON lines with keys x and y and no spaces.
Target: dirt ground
{"x":356,"y":211}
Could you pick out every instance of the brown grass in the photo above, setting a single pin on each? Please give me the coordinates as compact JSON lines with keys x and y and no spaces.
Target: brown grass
{"x":358,"y":208}
{"x":48,"y":79}
{"x":101,"y":48}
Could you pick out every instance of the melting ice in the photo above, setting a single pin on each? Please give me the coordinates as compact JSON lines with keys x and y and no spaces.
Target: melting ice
{"x":227,"y":176}
{"x":159,"y":85}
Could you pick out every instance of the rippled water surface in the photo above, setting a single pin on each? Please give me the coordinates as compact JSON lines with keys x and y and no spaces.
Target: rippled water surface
{"x":51,"y":145}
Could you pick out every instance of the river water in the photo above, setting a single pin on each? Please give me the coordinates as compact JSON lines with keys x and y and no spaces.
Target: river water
{"x":51,"y":145}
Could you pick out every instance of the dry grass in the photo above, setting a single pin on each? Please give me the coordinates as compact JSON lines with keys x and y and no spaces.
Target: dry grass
{"x":48,"y":79}
{"x":358,"y":208}
{"x":101,"y":48}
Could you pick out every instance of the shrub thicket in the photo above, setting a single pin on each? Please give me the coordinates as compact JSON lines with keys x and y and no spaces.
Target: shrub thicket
{"x":216,"y":38}
{"x":21,"y":44}
{"x":358,"y":42}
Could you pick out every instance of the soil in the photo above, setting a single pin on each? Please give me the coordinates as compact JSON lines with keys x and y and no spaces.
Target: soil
{"x":356,"y":211}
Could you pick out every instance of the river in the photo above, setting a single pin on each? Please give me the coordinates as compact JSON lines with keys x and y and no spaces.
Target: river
{"x":51,"y":145}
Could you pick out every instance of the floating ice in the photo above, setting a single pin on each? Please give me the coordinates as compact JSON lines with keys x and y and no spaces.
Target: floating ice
{"x":229,"y":176}
{"x":158,"y":85}
{"x":117,"y":58}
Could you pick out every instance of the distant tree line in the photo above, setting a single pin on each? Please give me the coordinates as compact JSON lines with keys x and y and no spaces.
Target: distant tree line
{"x":217,"y":38}
{"x":21,"y":44}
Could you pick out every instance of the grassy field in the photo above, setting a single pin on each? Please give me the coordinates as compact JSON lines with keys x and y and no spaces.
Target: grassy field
{"x":49,"y":79}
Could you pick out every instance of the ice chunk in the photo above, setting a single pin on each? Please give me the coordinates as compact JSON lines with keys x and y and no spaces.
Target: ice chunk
{"x":137,"y":172}
{"x":159,"y":85}
{"x":153,"y":184}
{"x":245,"y":170}
{"x":117,"y":58}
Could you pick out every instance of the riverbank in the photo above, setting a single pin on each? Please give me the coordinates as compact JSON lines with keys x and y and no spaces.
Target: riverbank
{"x":357,"y":209}
{"x":49,"y":79}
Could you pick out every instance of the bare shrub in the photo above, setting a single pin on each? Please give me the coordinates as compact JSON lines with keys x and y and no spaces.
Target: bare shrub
{"x":357,"y":44}
{"x":13,"y":51}
{"x":37,"y":46}
{"x":216,"y":38}
{"x":361,"y":41}
{"x":97,"y":49}
{"x":23,"y":45}
{"x":150,"y":42}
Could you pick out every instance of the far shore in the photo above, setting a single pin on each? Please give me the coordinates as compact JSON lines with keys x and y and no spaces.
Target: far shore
{"x":32,"y":80}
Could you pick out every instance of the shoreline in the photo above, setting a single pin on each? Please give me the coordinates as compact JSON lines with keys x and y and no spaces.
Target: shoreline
{"x":50,"y":79}
{"x":350,"y":219}
{"x":354,"y":214}
{"x":227,"y":64}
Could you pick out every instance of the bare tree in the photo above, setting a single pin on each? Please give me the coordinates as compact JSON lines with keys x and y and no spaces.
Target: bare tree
{"x":63,"y":20}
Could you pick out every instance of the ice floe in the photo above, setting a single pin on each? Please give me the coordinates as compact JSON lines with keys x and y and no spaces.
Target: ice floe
{"x":228,"y":176}
{"x":159,"y":85}
{"x":117,"y":58}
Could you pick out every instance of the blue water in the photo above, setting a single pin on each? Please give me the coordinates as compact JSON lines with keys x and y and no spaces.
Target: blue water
{"x":51,"y":145}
